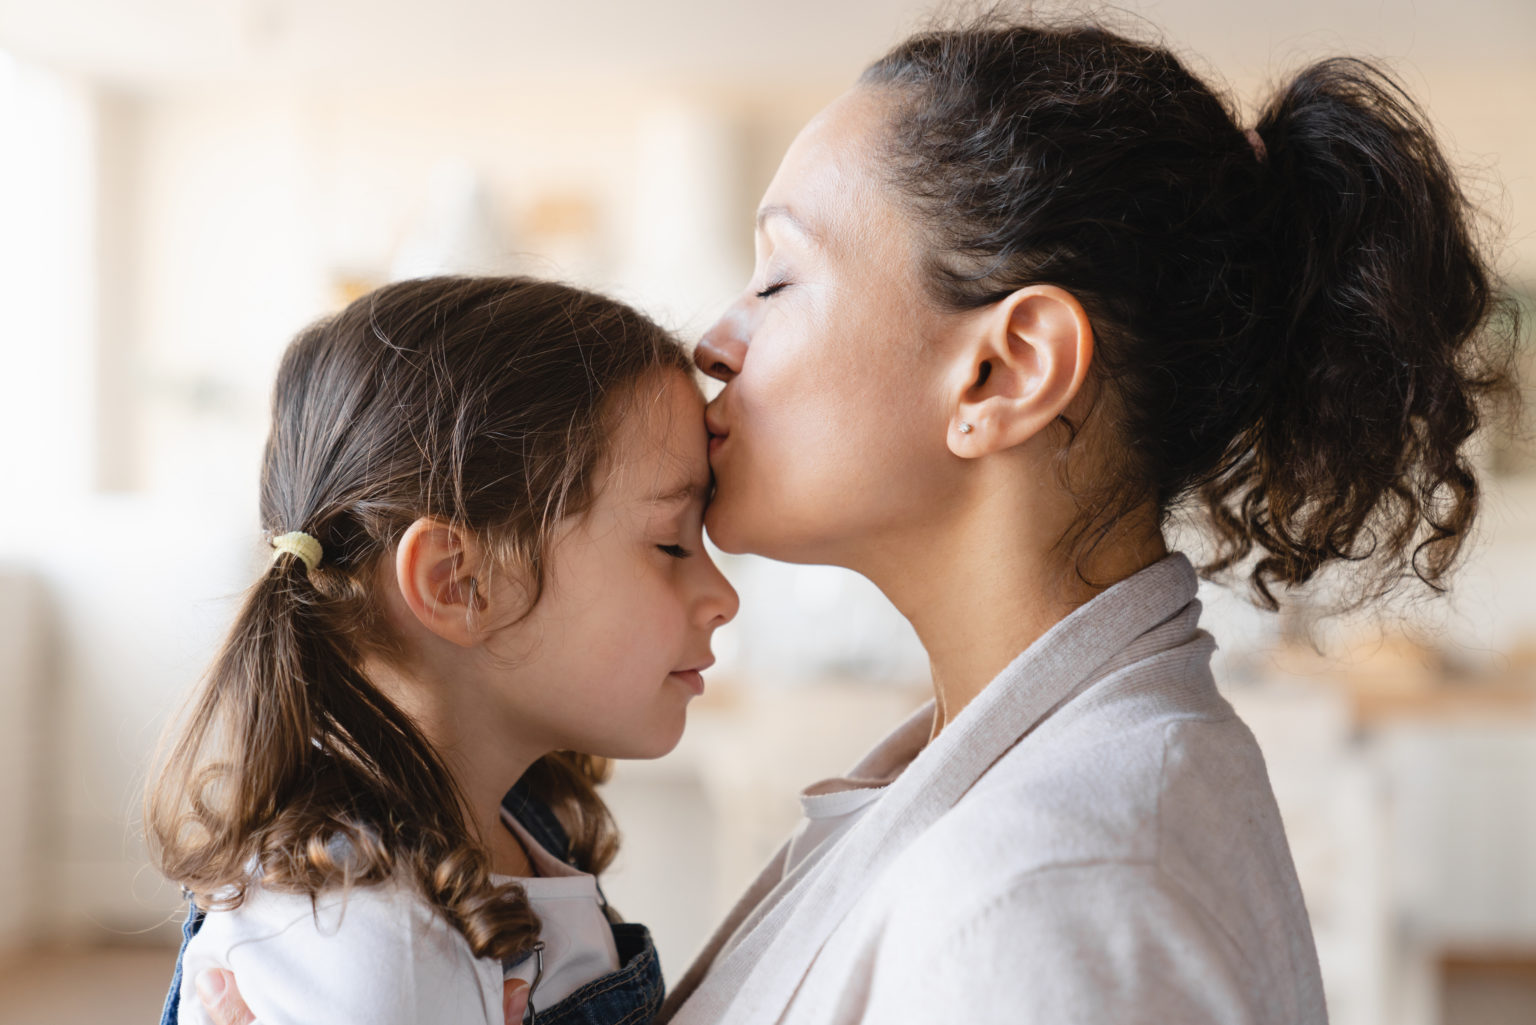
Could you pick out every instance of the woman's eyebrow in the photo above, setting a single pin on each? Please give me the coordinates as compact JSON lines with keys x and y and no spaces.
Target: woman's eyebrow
{"x":785,"y":213}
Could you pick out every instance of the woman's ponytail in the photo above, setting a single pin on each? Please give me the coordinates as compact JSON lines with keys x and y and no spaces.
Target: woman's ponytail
{"x":1375,"y":311}
{"x":1295,"y":326}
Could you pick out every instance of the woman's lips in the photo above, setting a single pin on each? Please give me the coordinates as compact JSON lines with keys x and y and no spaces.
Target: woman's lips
{"x":716,"y":428}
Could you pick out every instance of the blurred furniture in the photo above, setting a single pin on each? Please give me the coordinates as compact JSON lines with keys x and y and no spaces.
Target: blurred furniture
{"x":1485,"y":989}
{"x":22,"y":727}
{"x":1330,"y":795}
{"x":1411,"y":809}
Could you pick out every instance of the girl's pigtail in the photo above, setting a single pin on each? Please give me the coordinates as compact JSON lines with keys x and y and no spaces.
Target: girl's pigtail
{"x":1385,"y":334}
{"x":245,"y":737}
{"x":292,"y":760}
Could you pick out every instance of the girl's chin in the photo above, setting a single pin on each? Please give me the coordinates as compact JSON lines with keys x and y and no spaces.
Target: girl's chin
{"x":659,"y":747}
{"x":661,"y":740}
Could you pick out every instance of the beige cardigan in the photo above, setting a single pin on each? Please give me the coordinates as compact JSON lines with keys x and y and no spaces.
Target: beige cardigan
{"x":1092,"y":840}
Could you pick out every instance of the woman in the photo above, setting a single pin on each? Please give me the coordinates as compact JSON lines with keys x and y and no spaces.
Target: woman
{"x":1021,"y":296}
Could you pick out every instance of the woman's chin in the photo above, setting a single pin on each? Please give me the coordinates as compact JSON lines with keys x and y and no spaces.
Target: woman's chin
{"x":745,"y":527}
{"x":725,"y":529}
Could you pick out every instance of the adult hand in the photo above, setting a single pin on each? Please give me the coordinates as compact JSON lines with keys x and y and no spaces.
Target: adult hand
{"x":216,"y":989}
{"x":221,"y":999}
{"x":514,"y":1000}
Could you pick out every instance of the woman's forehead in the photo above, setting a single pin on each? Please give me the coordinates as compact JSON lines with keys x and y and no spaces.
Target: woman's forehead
{"x":828,"y":181}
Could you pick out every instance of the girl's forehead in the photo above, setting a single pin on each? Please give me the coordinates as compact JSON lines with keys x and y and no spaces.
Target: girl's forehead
{"x":660,"y":448}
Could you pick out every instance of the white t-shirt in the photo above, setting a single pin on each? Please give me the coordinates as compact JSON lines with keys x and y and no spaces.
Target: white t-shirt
{"x":578,"y":943}
{"x":381,"y":955}
{"x":833,"y":806}
{"x":832,"y":809}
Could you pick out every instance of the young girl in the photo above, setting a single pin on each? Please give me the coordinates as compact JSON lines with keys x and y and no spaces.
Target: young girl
{"x":484,"y":498}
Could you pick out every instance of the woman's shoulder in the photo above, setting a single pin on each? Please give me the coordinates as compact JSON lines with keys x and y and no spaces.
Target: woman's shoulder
{"x":1129,"y":800}
{"x":1128,"y":777}
{"x":1126,"y":771}
{"x":376,"y":953}
{"x":1117,"y":749}
{"x":1159,"y":833}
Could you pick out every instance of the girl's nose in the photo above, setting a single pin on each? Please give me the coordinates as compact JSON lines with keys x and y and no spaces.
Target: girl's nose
{"x":719,"y":602}
{"x":723,"y":348}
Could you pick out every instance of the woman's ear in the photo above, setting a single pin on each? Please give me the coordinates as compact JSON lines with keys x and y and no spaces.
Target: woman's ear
{"x":435,"y":567}
{"x":1019,"y":370}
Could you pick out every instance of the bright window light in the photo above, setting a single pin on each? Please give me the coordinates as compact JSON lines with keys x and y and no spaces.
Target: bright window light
{"x":46,"y":266}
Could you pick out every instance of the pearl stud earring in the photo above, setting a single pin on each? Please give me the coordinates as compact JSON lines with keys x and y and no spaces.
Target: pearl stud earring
{"x":965,"y":428}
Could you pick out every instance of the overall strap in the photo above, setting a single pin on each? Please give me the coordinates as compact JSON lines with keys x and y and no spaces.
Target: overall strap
{"x":169,"y":1015}
{"x":534,"y":815}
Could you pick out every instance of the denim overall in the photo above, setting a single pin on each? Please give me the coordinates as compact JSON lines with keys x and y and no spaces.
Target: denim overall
{"x":630,"y":996}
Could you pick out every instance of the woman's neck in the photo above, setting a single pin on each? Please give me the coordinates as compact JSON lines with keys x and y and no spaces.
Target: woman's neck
{"x":985,"y":586}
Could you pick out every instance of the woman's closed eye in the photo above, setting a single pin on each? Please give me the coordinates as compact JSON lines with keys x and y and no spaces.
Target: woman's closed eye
{"x":676,"y":551}
{"x":773,"y":290}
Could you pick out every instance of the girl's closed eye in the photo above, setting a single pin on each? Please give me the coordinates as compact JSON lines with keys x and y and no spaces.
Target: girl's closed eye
{"x":676,"y":551}
{"x":773,"y":290}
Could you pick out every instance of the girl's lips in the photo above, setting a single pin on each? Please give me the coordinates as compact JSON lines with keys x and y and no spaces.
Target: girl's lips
{"x":715,"y":441}
{"x":690,"y":678}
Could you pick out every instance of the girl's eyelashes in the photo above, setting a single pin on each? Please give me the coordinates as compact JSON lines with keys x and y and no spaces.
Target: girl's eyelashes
{"x":676,"y":551}
{"x":773,"y":290}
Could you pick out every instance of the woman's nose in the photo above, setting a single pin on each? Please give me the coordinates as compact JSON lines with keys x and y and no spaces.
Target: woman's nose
{"x":723,"y":348}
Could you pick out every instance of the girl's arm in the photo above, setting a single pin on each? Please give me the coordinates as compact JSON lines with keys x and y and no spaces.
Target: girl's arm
{"x":381,"y":956}
{"x":221,"y":999}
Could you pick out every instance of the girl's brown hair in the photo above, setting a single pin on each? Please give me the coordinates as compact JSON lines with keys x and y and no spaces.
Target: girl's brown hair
{"x":1298,"y":326}
{"x":488,"y":403}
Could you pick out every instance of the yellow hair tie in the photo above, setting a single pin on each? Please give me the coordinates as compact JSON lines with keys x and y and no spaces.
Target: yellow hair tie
{"x":299,"y":544}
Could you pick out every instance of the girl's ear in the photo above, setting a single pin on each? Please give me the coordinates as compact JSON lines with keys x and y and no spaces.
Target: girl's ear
{"x":1023,"y":365}
{"x":435,"y":567}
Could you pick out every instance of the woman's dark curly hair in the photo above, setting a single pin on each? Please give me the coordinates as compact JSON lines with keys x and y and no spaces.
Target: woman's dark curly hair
{"x":1297,"y":325}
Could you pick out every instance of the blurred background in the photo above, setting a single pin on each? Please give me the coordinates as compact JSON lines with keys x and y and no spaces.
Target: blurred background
{"x":185,"y":183}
